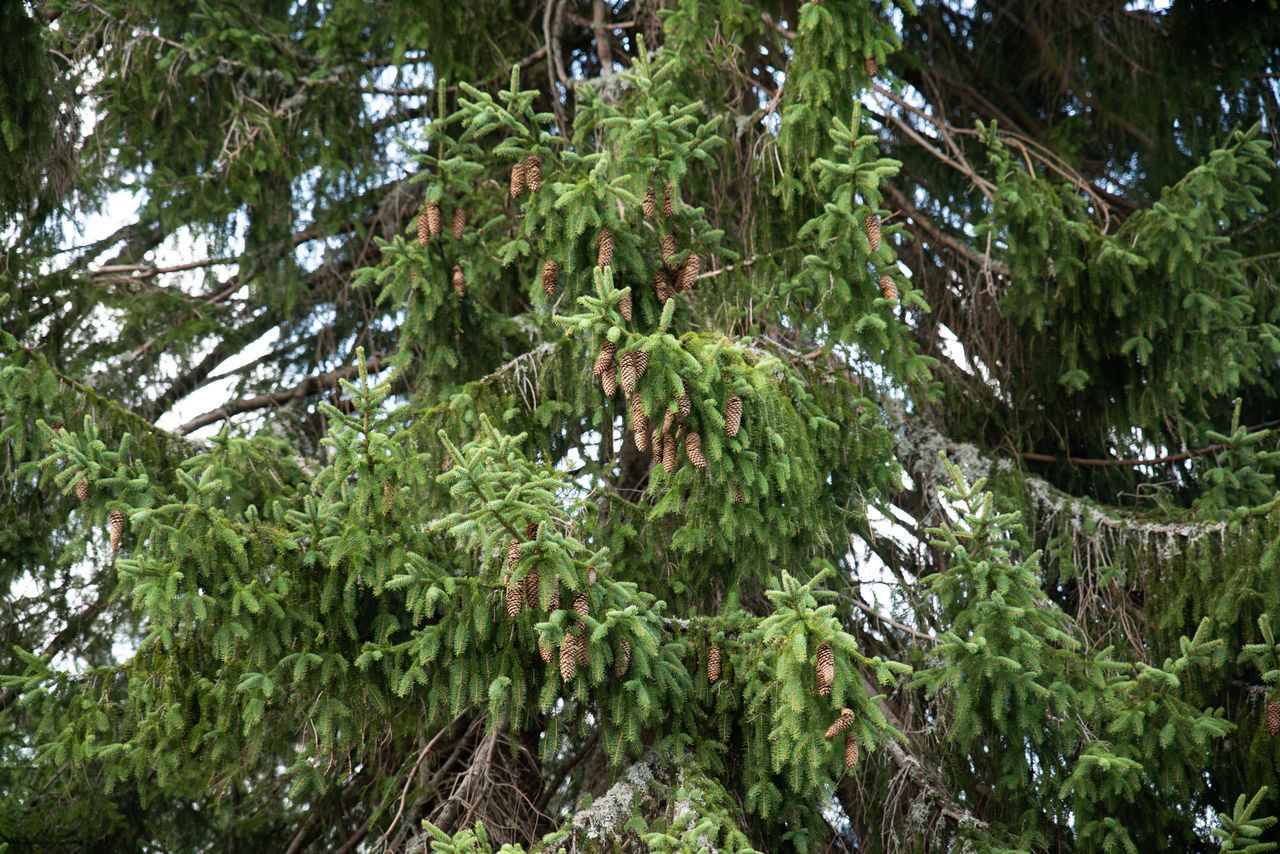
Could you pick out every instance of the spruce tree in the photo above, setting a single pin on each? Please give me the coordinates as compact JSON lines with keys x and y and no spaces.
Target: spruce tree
{"x":640,"y":426}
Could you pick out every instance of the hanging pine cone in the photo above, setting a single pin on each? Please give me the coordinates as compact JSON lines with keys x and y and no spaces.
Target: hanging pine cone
{"x":1273,"y":717}
{"x":569,"y":657}
{"x":622,"y":660}
{"x":607,"y":351}
{"x":531,"y":588}
{"x":544,"y":650}
{"x":627,"y":372}
{"x":669,"y":460}
{"x":668,"y":248}
{"x":609,"y":379}
{"x":732,"y":416}
{"x":888,"y":289}
{"x":513,"y":553}
{"x":581,"y":603}
{"x":550,"y":277}
{"x":649,"y":207}
{"x":82,"y":489}
{"x":662,"y":287}
{"x":515,"y":597}
{"x":533,"y":173}
{"x":688,"y":275}
{"x":423,"y":231}
{"x":459,"y":281}
{"x":655,"y":445}
{"x":639,"y":424}
{"x":624,"y":306}
{"x":554,"y":604}
{"x":433,"y":220}
{"x":684,"y":406}
{"x":459,"y":222}
{"x":115,"y":524}
{"x":668,"y":204}
{"x":642,"y":363}
{"x":517,"y":179}
{"x":850,"y":751}
{"x":872,"y":226}
{"x":713,"y":664}
{"x":668,"y":419}
{"x":826,"y":669}
{"x":604,"y":256}
{"x":841,"y":724}
{"x":531,"y":531}
{"x":581,"y":649}
{"x":869,"y":66}
{"x":693,"y":448}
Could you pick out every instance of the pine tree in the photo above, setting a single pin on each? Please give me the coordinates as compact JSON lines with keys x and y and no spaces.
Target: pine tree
{"x":292,"y":485}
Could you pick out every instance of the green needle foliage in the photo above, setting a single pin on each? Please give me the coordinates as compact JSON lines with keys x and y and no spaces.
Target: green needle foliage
{"x":595,"y":426}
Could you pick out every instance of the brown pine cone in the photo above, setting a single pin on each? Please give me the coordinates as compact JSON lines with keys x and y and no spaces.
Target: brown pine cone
{"x":622,"y":660}
{"x":581,"y":649}
{"x":642,"y":363}
{"x":888,"y":289}
{"x":732,"y":416}
{"x":607,"y":351}
{"x":850,"y":751}
{"x":693,"y":448}
{"x":655,"y":445}
{"x":688,"y":275}
{"x":544,"y":650}
{"x":713,"y":664}
{"x":872,"y":226}
{"x":1273,"y":717}
{"x":513,"y":553}
{"x":668,"y":419}
{"x":826,"y":669}
{"x":869,"y":66}
{"x":433,"y":219}
{"x":554,"y":604}
{"x":517,"y":179}
{"x":531,"y":593}
{"x":684,"y":405}
{"x":550,"y":277}
{"x":627,"y":372}
{"x":424,"y":231}
{"x":581,"y":603}
{"x":841,"y":724}
{"x":515,"y":597}
{"x":459,"y":222}
{"x":533,"y":173}
{"x":82,"y":489}
{"x":459,"y":281}
{"x":569,"y":657}
{"x":531,"y":531}
{"x":115,"y":524}
{"x":649,"y":207}
{"x":624,"y":306}
{"x":609,"y":379}
{"x":668,"y":204}
{"x":669,"y":460}
{"x":604,"y":257}
{"x":662,"y":287}
{"x":668,"y":248}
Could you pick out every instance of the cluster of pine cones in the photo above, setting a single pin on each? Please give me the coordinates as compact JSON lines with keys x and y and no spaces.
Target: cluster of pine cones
{"x":825,"y":676}
{"x":431,"y":226}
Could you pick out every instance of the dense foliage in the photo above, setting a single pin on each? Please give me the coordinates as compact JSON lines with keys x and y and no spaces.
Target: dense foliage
{"x":653,"y":424}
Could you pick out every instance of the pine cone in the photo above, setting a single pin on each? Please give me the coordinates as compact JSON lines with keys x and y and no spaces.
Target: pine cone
{"x":459,"y":281}
{"x":624,"y":307}
{"x":668,"y":204}
{"x":622,"y":660}
{"x":517,"y":179}
{"x":554,"y":604}
{"x":668,"y":419}
{"x":655,"y":445}
{"x":531,"y":588}
{"x":869,"y":66}
{"x":850,"y":751}
{"x":872,"y":226}
{"x":639,"y":424}
{"x":544,"y":650}
{"x":581,"y":604}
{"x":459,"y":222}
{"x":515,"y":597}
{"x":826,"y":669}
{"x":1273,"y":717}
{"x":888,"y":289}
{"x":605,"y":242}
{"x":669,"y":461}
{"x":662,"y":287}
{"x":668,"y":248}
{"x":609,"y":379}
{"x":684,"y":406}
{"x":693,"y":447}
{"x":627,"y":372}
{"x":607,"y":351}
{"x":713,"y":664}
{"x":531,"y":531}
{"x":513,"y":553}
{"x":581,"y":648}
{"x":423,"y":231}
{"x":841,"y":724}
{"x":732,"y":416}
{"x":688,"y":275}
{"x":642,"y":363}
{"x":82,"y":489}
{"x":550,"y":277}
{"x":433,"y":220}
{"x":533,"y":173}
{"x":569,"y":657}
{"x":649,"y":207}
{"x":115,"y":524}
